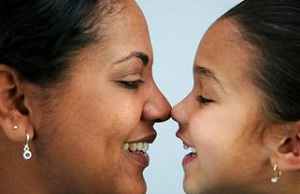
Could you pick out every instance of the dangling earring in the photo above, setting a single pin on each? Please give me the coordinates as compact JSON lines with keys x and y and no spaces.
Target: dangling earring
{"x":276,"y":175}
{"x":27,"y":153}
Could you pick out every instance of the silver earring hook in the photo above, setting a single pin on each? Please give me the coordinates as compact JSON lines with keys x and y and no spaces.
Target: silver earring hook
{"x":277,"y":173}
{"x":27,"y":138}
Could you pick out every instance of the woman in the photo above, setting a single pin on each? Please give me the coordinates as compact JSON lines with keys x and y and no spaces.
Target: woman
{"x":242,"y":118}
{"x":78,"y":101}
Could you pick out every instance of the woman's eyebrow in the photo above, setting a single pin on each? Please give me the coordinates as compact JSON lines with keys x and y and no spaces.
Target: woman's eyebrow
{"x":135,"y":54}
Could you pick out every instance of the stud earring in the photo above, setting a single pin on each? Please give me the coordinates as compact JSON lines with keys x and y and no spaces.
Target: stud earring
{"x":15,"y":127}
{"x":27,"y":153}
{"x":276,"y":175}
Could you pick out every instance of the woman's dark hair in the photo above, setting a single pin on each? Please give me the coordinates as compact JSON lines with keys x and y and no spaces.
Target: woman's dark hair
{"x":38,"y":37}
{"x":272,"y":27}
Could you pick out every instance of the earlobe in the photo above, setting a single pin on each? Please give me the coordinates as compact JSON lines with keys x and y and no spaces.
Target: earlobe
{"x":287,"y":156}
{"x":14,"y":121}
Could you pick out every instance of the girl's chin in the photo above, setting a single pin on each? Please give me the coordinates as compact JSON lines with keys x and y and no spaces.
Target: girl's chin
{"x":191,"y":182}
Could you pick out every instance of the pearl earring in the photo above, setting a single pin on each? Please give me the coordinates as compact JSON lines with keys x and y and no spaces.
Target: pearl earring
{"x":15,"y":127}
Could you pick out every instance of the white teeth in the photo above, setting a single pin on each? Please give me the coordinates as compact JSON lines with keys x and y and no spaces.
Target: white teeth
{"x":140,"y":146}
{"x":133,"y":146}
{"x":125,"y":146}
{"x":185,"y":147}
{"x":146,"y":146}
{"x":191,"y":149}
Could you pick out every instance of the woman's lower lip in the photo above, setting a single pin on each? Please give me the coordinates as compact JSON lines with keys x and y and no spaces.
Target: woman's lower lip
{"x":139,"y":158}
{"x":188,"y":159}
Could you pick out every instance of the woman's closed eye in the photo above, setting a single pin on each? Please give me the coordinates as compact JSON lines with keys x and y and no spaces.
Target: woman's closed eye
{"x":204,"y":100}
{"x":135,"y":84}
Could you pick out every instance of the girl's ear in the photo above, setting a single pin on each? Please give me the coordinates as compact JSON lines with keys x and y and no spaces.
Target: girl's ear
{"x":287,"y":155}
{"x":15,"y":119}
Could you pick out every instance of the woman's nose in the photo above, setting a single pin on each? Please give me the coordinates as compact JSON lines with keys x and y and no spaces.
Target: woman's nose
{"x":157,"y":108}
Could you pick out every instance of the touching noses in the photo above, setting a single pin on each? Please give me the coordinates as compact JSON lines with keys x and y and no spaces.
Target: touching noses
{"x":181,"y":111}
{"x":157,"y":108}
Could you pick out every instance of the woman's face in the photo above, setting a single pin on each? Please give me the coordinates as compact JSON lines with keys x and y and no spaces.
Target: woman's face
{"x":219,"y":117}
{"x":92,"y":136}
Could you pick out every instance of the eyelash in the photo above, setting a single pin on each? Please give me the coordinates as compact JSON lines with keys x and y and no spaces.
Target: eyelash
{"x":131,"y":84}
{"x":204,"y":100}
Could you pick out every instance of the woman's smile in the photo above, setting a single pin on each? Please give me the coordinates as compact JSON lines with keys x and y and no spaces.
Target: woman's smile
{"x":136,"y":151}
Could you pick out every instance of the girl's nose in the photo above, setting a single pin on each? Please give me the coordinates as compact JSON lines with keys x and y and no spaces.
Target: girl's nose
{"x":181,"y":111}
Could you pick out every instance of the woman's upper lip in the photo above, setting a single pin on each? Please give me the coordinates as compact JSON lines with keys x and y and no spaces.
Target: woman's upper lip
{"x":149,"y":138}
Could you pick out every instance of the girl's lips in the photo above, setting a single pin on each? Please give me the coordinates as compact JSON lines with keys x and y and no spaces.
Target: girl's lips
{"x":139,"y":158}
{"x":189,"y":158}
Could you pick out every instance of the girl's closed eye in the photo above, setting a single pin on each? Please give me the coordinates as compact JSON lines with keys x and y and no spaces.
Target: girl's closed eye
{"x":204,"y":100}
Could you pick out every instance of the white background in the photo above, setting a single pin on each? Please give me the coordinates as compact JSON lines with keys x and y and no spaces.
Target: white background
{"x":176,"y":27}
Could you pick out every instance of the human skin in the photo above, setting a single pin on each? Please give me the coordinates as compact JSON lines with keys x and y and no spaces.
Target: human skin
{"x":78,"y":129}
{"x":221,"y":119}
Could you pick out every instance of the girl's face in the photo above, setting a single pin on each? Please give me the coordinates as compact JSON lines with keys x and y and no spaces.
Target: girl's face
{"x":92,"y":135}
{"x":219,"y":119}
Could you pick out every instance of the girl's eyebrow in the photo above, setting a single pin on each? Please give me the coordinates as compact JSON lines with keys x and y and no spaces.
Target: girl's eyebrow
{"x":208,"y":73}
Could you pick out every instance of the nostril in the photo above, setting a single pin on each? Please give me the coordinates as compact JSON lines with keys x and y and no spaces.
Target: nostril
{"x":158,"y":120}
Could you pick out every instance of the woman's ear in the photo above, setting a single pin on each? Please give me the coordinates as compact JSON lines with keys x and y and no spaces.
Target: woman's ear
{"x":287,"y":155}
{"x":15,"y":119}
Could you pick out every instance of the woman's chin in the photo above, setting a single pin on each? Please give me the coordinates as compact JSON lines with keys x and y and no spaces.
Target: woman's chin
{"x":134,"y":182}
